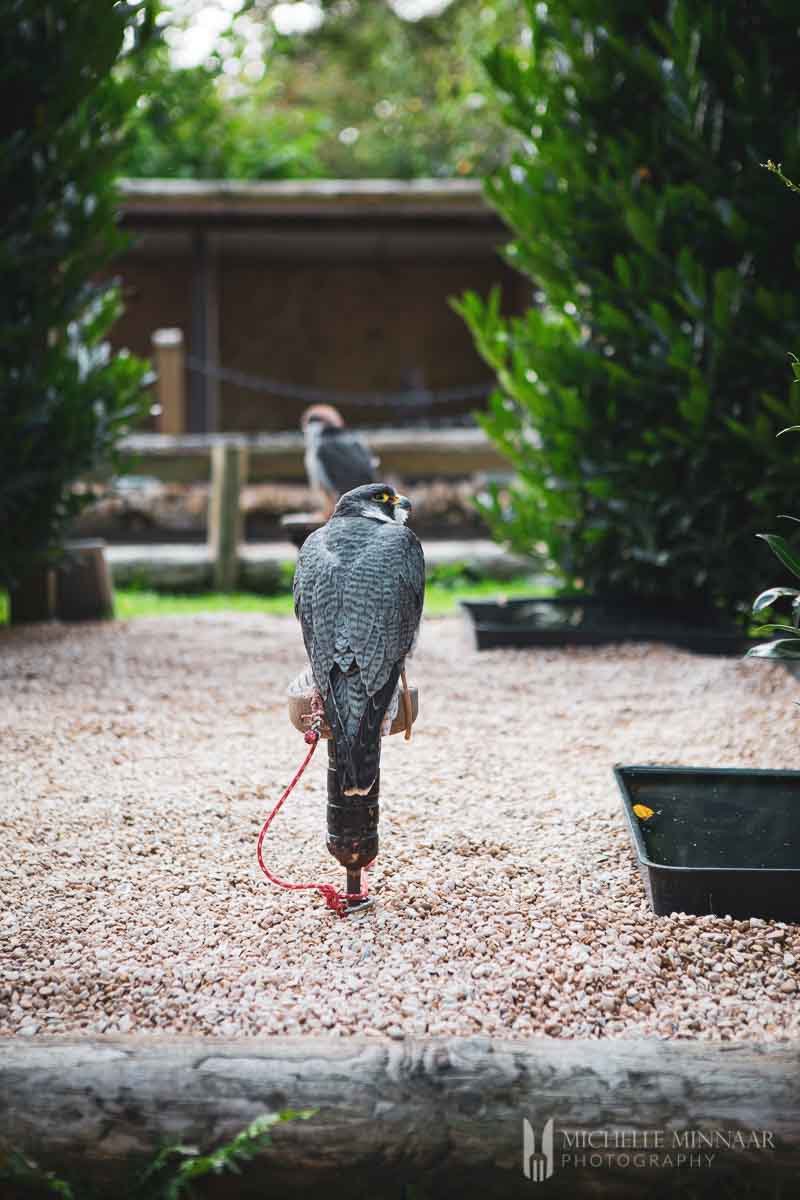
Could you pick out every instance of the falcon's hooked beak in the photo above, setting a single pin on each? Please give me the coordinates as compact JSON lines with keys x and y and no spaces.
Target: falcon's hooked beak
{"x":402,"y":507}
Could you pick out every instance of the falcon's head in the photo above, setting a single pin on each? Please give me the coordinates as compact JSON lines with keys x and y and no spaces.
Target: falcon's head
{"x":378,"y":501}
{"x":321,"y":416}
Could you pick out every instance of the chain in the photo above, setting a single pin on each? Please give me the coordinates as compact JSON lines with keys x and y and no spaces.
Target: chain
{"x":410,"y":398}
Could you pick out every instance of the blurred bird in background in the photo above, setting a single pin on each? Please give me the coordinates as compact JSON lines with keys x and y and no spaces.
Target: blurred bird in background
{"x":337,"y":460}
{"x":358,"y":593}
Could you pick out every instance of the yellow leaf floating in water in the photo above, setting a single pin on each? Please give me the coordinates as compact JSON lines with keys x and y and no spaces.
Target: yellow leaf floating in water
{"x":643,"y":812}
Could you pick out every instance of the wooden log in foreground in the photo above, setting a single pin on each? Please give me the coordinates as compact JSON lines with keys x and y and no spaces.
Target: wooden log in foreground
{"x":445,"y":1113}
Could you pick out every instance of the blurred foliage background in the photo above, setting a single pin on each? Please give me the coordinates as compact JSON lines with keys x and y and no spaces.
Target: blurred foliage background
{"x":622,"y":144}
{"x":354,"y":90}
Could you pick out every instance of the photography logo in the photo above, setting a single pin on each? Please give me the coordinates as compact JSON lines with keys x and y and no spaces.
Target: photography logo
{"x":620,"y":1147}
{"x":537,"y":1166}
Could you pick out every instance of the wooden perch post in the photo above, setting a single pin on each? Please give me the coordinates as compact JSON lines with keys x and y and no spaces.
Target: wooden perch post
{"x":353,"y":820}
{"x":445,"y":1112}
{"x":352,"y":828}
{"x":228,"y":474}
{"x":168,"y":361}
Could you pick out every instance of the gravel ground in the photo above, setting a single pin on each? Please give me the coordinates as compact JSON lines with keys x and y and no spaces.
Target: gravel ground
{"x":139,"y":760}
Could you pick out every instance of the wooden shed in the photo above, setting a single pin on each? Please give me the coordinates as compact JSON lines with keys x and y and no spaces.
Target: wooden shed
{"x":283,"y":290}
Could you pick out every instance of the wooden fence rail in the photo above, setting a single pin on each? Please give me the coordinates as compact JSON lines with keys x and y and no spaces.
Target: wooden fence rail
{"x":232,"y":460}
{"x":405,"y":453}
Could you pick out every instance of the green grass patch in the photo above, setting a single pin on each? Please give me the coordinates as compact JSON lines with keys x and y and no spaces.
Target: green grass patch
{"x":440,"y":600}
{"x":137,"y":602}
{"x":446,"y":585}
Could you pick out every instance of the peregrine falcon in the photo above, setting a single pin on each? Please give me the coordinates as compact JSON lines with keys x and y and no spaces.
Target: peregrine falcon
{"x":336,"y":459}
{"x":358,"y":592}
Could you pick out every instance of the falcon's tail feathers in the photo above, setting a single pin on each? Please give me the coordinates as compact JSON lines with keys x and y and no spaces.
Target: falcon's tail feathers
{"x":355,"y":720}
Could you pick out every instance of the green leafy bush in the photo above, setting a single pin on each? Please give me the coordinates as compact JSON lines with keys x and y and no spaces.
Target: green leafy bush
{"x":64,"y":400}
{"x":787,"y":646}
{"x":638,"y":398}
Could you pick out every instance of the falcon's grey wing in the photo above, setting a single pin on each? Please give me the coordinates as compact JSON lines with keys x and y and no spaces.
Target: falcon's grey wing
{"x":317,"y":591}
{"x":383,"y":597}
{"x":359,"y":593}
{"x":381,"y":610}
{"x":344,"y":460}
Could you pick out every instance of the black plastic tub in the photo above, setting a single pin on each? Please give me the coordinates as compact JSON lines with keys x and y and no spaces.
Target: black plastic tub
{"x":719,"y":841}
{"x":588,"y":621}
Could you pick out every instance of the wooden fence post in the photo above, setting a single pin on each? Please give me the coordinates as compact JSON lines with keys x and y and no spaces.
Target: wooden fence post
{"x":168,"y":360}
{"x":228,"y":474}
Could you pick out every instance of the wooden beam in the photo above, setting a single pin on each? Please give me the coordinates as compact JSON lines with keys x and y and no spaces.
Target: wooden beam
{"x":168,"y":360}
{"x":204,"y":342}
{"x":228,"y":474}
{"x":213,"y":386}
{"x":446,"y":1112}
{"x":412,"y":200}
{"x":405,"y":454}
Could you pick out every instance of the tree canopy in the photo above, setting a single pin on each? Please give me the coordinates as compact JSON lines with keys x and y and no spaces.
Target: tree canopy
{"x":364,"y":93}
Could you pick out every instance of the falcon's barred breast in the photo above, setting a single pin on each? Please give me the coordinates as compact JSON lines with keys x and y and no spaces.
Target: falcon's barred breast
{"x":358,"y":593}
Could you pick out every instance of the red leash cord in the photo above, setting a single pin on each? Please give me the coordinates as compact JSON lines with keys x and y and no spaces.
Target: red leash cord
{"x":335,"y":900}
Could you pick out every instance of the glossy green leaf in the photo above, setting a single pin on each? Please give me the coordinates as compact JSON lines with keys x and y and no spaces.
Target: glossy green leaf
{"x":643,"y":228}
{"x":769,"y":597}
{"x":785,"y":648}
{"x":782,"y":550}
{"x":623,"y":271}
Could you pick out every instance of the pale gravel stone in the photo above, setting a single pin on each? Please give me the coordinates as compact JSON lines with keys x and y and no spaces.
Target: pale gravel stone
{"x":140,"y":760}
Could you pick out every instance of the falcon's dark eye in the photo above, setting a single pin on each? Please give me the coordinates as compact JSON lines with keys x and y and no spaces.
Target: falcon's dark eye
{"x":384,"y":498}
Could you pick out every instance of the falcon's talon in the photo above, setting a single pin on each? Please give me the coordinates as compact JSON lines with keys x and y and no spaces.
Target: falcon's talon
{"x":310,"y":718}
